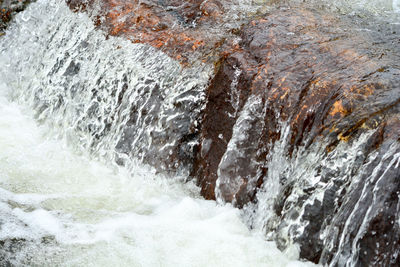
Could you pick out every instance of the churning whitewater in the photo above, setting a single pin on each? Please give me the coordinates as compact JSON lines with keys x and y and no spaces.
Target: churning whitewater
{"x":63,"y":200}
{"x":58,"y":208}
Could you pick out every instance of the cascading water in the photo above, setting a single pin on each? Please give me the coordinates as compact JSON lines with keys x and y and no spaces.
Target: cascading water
{"x":82,"y":111}
{"x":110,"y":97}
{"x":376,"y":7}
{"x":311,"y":154}
{"x":63,"y":200}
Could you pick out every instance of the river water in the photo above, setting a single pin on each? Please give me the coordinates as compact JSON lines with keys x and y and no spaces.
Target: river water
{"x":62,"y":203}
{"x":66,"y":96}
{"x":59,"y":208}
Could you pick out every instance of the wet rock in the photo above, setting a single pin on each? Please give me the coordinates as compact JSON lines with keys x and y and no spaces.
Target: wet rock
{"x":79,"y":5}
{"x":17,"y":251}
{"x":314,"y":88}
{"x":8,"y":9}
{"x":176,"y":27}
{"x":311,"y":80}
{"x":369,"y":235}
{"x":300,"y":124}
{"x":219,"y":119}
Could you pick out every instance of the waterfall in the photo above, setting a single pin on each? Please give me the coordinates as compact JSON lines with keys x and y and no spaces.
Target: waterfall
{"x":102,"y":139}
{"x":112,"y":98}
{"x":80,"y":113}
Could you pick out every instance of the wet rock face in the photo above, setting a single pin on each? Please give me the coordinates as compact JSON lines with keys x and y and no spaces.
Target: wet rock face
{"x":175,"y":27}
{"x":300,"y":124}
{"x":219,"y":119}
{"x":295,"y":81}
{"x":80,"y":5}
{"x":284,"y":106}
{"x":8,"y":8}
{"x":315,"y":82}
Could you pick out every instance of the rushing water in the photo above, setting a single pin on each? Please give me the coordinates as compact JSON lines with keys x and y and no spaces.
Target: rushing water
{"x":377,"y":7}
{"x":62,"y":200}
{"x":59,"y":208}
{"x":80,"y":111}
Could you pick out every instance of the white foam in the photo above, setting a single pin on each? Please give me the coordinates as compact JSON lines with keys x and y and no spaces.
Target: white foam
{"x":60,"y":206}
{"x":396,"y":6}
{"x":100,"y":216}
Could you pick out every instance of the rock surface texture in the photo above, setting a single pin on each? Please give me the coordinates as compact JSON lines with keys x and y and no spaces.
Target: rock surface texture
{"x":8,"y":8}
{"x":178,"y":28}
{"x":300,"y":123}
{"x":312,"y":113}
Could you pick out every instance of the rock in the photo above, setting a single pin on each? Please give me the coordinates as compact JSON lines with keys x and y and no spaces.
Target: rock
{"x":8,"y":8}
{"x":80,"y":5}
{"x":175,"y":27}
{"x":301,"y":121}
{"x":368,"y":233}
{"x":296,"y":82}
{"x":311,"y":80}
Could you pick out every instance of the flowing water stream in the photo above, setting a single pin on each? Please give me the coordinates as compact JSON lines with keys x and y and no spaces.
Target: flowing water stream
{"x":63,"y":202}
{"x":58,"y":208}
{"x":80,"y":111}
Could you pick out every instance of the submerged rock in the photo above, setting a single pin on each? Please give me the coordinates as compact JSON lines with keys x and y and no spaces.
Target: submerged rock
{"x":300,"y":125}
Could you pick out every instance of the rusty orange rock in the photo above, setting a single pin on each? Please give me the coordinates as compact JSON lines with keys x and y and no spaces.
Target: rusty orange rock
{"x":313,"y":80}
{"x":174,"y":27}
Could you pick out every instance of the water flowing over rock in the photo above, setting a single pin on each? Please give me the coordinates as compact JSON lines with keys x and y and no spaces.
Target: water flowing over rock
{"x":68,"y":97}
{"x":182,"y":29}
{"x":302,"y":119}
{"x":8,"y":8}
{"x":300,"y":126}
{"x":289,"y":112}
